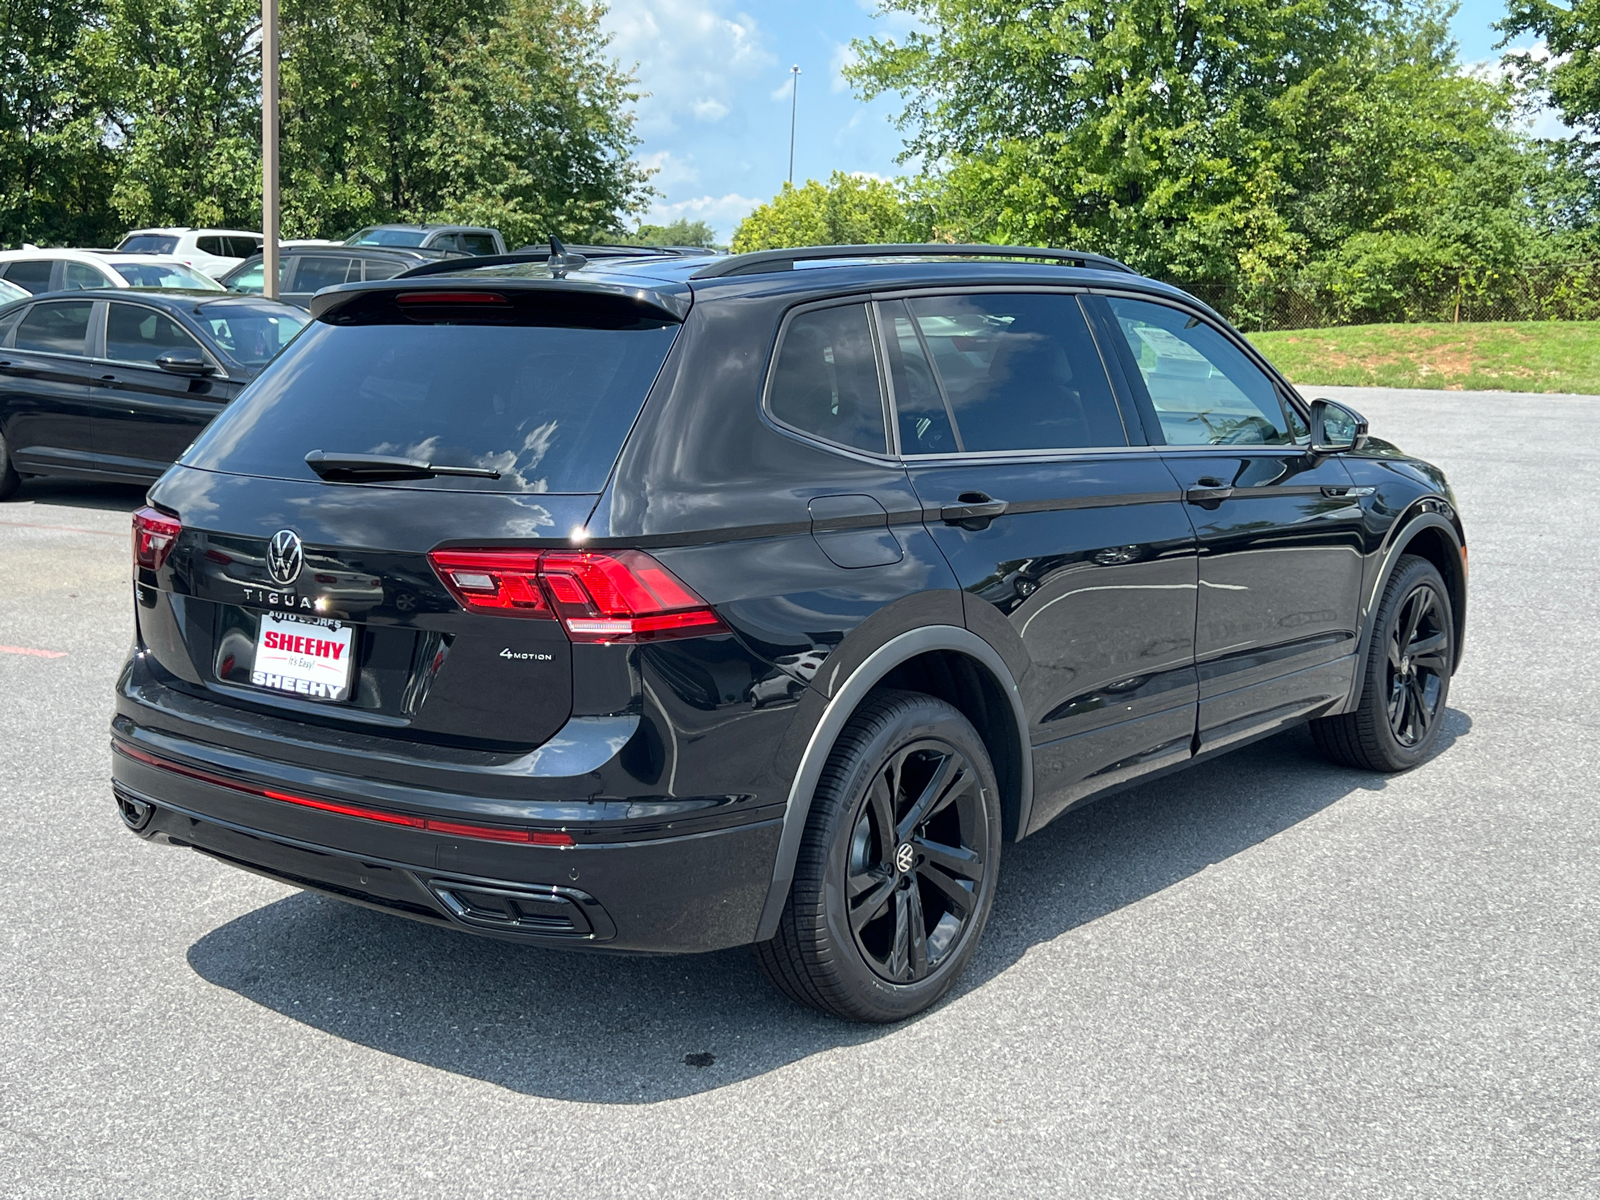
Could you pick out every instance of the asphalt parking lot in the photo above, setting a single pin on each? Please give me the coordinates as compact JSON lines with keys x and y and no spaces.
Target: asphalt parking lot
{"x":1266,"y":976}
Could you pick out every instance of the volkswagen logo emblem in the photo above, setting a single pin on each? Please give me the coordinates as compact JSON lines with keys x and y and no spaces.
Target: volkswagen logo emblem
{"x":905,"y":858}
{"x":285,"y":557}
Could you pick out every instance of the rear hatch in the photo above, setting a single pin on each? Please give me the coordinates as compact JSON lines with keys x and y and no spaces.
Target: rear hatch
{"x":293,"y":573}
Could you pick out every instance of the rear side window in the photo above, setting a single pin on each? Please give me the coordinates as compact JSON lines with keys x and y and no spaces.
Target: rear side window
{"x":32,"y":274}
{"x":142,"y":335}
{"x":322,"y":271}
{"x":76,"y":275}
{"x":825,"y":380}
{"x":547,"y":406}
{"x":243,"y":247}
{"x":1015,"y":372}
{"x":476,"y":243}
{"x":211,"y":245}
{"x":61,"y":327}
{"x":1204,"y":390}
{"x":383,"y":268}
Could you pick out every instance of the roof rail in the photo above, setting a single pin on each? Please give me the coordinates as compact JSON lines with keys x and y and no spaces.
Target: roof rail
{"x":536,"y":254}
{"x":762,"y":261}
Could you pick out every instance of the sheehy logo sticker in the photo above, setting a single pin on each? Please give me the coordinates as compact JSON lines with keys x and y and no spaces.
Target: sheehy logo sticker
{"x":308,"y":658}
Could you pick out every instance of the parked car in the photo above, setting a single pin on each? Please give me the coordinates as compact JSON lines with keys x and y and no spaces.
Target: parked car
{"x":37,"y":271}
{"x":670,"y":604}
{"x":213,"y":252}
{"x":464,"y":239}
{"x":305,"y":268}
{"x":112,"y":383}
{"x":10,"y":292}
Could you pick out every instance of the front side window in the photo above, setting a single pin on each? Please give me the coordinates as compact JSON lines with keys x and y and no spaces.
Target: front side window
{"x":1013,"y":372}
{"x":825,"y":380}
{"x":476,"y":243}
{"x":137,"y":334}
{"x":31,"y":274}
{"x":1204,"y":389}
{"x":249,"y":335}
{"x":56,"y":328}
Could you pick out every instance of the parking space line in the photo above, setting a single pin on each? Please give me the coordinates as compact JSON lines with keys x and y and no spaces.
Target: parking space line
{"x":33,"y":652}
{"x":65,"y":528}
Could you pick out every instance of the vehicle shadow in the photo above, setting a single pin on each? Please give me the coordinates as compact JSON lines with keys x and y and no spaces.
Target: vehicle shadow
{"x":633,"y":1030}
{"x":77,"y":493}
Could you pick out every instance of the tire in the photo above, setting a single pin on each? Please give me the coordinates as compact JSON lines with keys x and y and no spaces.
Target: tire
{"x":1396,"y":722}
{"x":9,"y":479}
{"x":897,"y":870}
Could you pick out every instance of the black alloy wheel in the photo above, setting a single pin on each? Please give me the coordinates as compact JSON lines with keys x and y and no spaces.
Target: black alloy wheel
{"x":897,"y":872}
{"x":1396,"y":722}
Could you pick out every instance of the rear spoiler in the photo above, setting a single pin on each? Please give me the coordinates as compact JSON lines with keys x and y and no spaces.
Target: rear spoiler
{"x":612,"y":301}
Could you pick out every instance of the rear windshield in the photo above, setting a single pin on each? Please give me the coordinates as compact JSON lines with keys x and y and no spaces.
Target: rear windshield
{"x":546,"y":406}
{"x":148,"y":243}
{"x":388,"y":237}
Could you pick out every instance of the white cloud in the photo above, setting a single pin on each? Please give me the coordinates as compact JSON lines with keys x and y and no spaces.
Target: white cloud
{"x":784,"y":89}
{"x":844,"y":55}
{"x":722,"y":213}
{"x":691,"y":55}
{"x":1539,"y":119}
{"x":667,"y":170}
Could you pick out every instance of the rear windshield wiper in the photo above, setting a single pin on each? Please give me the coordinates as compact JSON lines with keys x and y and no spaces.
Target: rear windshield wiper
{"x":373,"y":468}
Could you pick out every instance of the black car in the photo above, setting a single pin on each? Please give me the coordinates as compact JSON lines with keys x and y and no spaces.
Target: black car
{"x":114,"y":383}
{"x":666,"y":604}
{"x":305,"y":268}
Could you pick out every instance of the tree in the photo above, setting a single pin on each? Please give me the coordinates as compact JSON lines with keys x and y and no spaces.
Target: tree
{"x":179,"y":83}
{"x":1570,"y":69}
{"x":848,"y":210}
{"x":682,"y":232}
{"x":507,"y":113}
{"x":56,"y":172}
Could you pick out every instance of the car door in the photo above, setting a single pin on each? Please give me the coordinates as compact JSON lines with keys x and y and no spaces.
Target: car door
{"x":1278,"y":528}
{"x":144,"y":416}
{"x":44,"y":387}
{"x":1069,"y":538}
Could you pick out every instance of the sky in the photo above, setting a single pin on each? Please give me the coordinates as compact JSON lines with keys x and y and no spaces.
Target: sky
{"x":715,"y":123}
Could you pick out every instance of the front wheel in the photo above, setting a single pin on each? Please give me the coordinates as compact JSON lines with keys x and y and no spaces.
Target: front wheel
{"x":9,"y":479}
{"x":1396,"y":724}
{"x":897,"y":870}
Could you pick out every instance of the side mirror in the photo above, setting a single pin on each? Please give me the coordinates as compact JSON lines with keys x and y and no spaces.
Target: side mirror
{"x":184,"y":362}
{"x":1335,"y":428}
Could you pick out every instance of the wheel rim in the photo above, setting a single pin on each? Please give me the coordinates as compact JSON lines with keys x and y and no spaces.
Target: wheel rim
{"x":1419,"y":649}
{"x":919,"y":849}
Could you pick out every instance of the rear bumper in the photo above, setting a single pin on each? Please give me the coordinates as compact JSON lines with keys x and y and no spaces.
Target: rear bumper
{"x":664,"y":894}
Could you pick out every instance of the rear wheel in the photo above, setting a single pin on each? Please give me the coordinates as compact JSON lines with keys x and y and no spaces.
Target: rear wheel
{"x":9,"y":479}
{"x":1396,"y":724}
{"x":897,"y":871}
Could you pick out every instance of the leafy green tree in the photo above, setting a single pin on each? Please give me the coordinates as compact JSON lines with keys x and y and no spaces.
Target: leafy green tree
{"x":1570,"y":72}
{"x":682,"y":232}
{"x":179,"y":82}
{"x":56,"y":171}
{"x":848,"y":210}
{"x":507,"y":113}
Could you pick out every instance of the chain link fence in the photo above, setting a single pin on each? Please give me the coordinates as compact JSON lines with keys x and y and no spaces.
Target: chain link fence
{"x":1553,"y":292}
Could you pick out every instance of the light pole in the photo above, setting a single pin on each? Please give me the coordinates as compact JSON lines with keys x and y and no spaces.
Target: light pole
{"x":269,"y":149}
{"x":794,"y":104}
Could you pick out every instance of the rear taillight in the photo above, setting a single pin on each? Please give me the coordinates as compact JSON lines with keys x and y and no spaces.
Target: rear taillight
{"x":153,"y":536}
{"x":598,"y":596}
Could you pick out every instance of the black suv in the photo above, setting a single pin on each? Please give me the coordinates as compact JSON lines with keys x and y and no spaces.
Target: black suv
{"x":660,"y":604}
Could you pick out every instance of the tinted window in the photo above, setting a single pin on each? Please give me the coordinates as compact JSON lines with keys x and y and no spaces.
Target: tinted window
{"x":75,"y":275}
{"x":32,"y":274}
{"x":548,"y":407}
{"x":165,"y":275}
{"x":251,"y":335}
{"x":250,"y":276}
{"x":1019,"y":372}
{"x":138,"y":334}
{"x":1204,"y":389}
{"x":148,"y":243}
{"x":322,"y":271}
{"x":825,"y":381}
{"x":919,"y":405}
{"x":210,"y":245}
{"x":384,"y":268}
{"x":61,"y":327}
{"x":7,"y":320}
{"x":243,"y":247}
{"x":477,"y":243}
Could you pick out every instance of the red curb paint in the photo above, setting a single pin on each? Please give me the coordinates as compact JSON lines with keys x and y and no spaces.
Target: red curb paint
{"x":34,"y":653}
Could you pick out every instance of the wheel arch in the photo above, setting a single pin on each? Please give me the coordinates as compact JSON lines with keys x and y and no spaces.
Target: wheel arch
{"x":1427,"y":533}
{"x":945,"y":661}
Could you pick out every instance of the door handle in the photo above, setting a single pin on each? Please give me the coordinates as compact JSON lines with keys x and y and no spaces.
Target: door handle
{"x":974,"y":510}
{"x":1208,"y":490}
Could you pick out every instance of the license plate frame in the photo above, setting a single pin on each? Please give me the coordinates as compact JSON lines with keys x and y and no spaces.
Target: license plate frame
{"x":309,"y":658}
